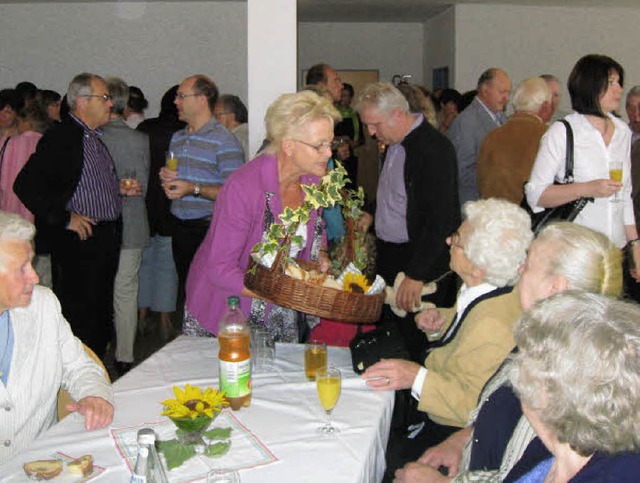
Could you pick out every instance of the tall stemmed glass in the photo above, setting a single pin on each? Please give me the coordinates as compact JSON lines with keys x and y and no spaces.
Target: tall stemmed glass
{"x":328,"y":385}
{"x":615,"y":173}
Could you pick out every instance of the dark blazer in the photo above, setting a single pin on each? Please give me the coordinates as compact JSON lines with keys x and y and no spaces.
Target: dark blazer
{"x":49,"y":179}
{"x":433,"y":209}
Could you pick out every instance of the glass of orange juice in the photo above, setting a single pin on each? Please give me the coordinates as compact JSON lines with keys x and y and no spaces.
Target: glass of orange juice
{"x":328,"y":386}
{"x":171,"y":161}
{"x":615,"y":173}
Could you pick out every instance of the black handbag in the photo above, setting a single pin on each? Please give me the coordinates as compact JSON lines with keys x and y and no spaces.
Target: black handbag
{"x":382,"y":343}
{"x":568,"y":211}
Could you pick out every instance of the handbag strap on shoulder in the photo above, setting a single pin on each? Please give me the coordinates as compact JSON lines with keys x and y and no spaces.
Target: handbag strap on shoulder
{"x":568,"y":162}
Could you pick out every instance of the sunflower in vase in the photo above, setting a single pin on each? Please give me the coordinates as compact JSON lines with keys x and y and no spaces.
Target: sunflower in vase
{"x":193,"y":411}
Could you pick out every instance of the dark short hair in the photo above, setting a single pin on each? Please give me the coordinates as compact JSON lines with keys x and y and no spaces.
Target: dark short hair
{"x":205,"y":86}
{"x":450,"y":95}
{"x":48,"y":97}
{"x":349,"y":88}
{"x":316,"y":74}
{"x":137,"y":102}
{"x":588,"y":80}
{"x":9,"y":97}
{"x":167,"y":105}
{"x":26,"y":89}
{"x":36,"y":115}
{"x":234,"y":105}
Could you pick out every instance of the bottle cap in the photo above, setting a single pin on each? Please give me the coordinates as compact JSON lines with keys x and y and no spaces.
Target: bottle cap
{"x":233,"y":301}
{"x":146,"y":436}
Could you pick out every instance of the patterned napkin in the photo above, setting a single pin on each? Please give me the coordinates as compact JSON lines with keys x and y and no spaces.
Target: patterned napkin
{"x":247,"y":451}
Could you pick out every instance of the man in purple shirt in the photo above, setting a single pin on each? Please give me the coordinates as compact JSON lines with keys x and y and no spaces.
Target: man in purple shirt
{"x":70,"y":185}
{"x":417,"y":199}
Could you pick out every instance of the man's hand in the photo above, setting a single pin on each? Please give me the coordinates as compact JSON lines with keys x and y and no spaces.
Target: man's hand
{"x":448,"y":453}
{"x":429,"y":321}
{"x":418,"y":473}
{"x":97,"y":412}
{"x":409,"y":293}
{"x":364,"y":222}
{"x":82,"y":225}
{"x":168,"y":175}
{"x":178,"y":188}
{"x":391,"y":374}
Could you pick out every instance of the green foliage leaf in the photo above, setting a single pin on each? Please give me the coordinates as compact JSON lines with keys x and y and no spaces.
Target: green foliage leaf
{"x":216,"y":450}
{"x":218,"y":434}
{"x":175,"y":453}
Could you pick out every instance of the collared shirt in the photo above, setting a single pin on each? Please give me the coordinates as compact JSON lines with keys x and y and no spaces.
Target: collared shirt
{"x":634,"y":135}
{"x":466,"y":296}
{"x":6,"y":346}
{"x":207,"y":156}
{"x":98,"y":193}
{"x":499,"y":120}
{"x":391,"y":212}
{"x":591,"y":161}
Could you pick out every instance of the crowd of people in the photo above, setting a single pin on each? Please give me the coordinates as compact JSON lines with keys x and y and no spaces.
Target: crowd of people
{"x":524,"y":366}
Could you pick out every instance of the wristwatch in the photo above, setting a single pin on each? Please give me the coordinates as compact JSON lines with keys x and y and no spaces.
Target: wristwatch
{"x":196,"y":191}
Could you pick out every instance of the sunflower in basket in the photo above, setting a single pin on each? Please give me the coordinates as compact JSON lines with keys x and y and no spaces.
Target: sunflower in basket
{"x":356,"y":283}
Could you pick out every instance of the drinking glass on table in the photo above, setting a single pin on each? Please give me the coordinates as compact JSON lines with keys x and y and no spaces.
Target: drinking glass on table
{"x":263,"y":349}
{"x":615,"y":173}
{"x":315,"y":358}
{"x":328,"y":385}
{"x":223,"y":476}
{"x":171,"y":161}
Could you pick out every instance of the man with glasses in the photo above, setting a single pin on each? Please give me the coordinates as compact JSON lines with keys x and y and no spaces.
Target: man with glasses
{"x":207,"y":154}
{"x":71,"y":187}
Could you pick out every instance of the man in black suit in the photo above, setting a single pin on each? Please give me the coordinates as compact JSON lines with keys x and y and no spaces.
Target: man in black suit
{"x":71,"y":186}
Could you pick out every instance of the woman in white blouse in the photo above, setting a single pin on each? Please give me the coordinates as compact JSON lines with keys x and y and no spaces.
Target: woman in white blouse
{"x":600,"y":139}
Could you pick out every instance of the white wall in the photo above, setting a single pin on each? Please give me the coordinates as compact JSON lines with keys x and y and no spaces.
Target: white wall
{"x":392,"y":48}
{"x":528,"y":41}
{"x":149,"y":44}
{"x":439,"y":48}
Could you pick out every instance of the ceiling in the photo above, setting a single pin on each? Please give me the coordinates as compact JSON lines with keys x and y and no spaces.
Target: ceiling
{"x":382,"y":10}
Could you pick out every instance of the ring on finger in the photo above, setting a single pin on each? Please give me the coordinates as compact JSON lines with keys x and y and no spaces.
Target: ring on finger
{"x":387,"y":380}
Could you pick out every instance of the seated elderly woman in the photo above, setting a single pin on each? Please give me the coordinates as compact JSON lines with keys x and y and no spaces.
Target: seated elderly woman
{"x":563,"y":256}
{"x":476,"y":334}
{"x":300,"y":130}
{"x":578,"y":376}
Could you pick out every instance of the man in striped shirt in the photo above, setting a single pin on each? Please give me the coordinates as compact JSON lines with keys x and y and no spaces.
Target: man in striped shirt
{"x":207,"y":154}
{"x":70,"y":185}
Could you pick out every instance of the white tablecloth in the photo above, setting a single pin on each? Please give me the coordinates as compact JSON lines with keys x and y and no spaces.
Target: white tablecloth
{"x":284,"y":415}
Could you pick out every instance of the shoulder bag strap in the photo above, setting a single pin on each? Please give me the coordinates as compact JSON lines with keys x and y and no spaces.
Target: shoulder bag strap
{"x":568,"y":163}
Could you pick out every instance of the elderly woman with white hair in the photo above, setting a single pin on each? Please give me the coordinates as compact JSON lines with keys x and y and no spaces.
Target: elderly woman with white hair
{"x":475,"y":335}
{"x":578,"y":376}
{"x":300,"y":131}
{"x":564,"y":256}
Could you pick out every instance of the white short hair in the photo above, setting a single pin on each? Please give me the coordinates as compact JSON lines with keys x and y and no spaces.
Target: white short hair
{"x":383,"y":96}
{"x":499,"y":238}
{"x":14,"y":227}
{"x":531,"y":94}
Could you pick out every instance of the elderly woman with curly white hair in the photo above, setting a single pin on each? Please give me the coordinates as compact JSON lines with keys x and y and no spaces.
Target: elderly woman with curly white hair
{"x":578,"y":376}
{"x":475,"y":336}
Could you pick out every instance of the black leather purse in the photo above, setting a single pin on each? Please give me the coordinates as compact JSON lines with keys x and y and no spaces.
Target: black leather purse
{"x":568,"y":211}
{"x":382,"y":343}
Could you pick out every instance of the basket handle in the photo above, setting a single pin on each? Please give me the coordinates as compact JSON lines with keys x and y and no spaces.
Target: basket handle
{"x":350,"y":255}
{"x":279,"y":262}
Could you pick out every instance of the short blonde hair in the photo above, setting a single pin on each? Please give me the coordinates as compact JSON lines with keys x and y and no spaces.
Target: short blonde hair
{"x":578,"y":369}
{"x":587,"y":259}
{"x":289,"y":114}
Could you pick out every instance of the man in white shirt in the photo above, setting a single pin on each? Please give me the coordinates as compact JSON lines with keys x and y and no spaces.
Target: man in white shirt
{"x":38,"y":352}
{"x":469,"y":128}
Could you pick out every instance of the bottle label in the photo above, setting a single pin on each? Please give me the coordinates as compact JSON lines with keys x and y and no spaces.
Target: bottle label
{"x":235,"y":378}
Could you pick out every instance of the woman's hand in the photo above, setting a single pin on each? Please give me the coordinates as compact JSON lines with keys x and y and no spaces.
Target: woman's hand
{"x":601,"y":188}
{"x":391,"y":374}
{"x":429,"y":321}
{"x":448,"y":453}
{"x":323,"y":261}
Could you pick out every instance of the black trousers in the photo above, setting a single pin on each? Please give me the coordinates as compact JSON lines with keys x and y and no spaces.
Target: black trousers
{"x":83,"y":276}
{"x":187,"y":237}
{"x":393,"y":258}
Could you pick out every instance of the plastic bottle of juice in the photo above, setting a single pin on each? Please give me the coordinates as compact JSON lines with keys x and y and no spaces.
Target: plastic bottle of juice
{"x":234,"y":360}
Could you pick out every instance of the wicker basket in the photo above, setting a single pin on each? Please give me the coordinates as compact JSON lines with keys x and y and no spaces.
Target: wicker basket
{"x":293,"y":293}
